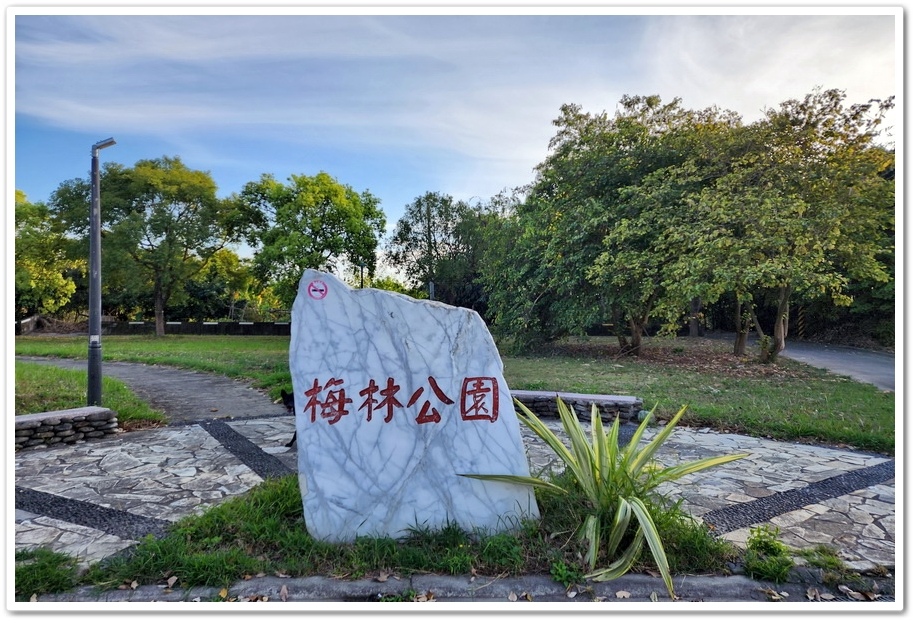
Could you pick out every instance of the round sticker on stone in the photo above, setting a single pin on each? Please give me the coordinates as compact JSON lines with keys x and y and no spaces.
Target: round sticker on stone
{"x":317,"y":289}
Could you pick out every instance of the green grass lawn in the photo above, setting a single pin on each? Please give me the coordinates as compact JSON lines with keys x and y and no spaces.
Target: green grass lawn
{"x":786,"y":400}
{"x":42,"y":388}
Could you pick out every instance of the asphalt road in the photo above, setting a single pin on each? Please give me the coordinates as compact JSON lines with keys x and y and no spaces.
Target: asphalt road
{"x":867,"y":366}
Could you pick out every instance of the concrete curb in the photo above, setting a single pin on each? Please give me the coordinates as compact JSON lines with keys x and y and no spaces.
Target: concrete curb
{"x":629,"y":589}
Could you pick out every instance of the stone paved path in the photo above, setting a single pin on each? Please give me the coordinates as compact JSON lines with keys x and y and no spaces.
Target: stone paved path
{"x":96,"y":498}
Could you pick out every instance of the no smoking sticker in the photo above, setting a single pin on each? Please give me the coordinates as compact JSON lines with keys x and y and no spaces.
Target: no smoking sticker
{"x":317,"y":289}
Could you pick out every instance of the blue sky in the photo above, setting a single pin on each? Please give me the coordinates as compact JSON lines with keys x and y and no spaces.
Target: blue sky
{"x":398,"y":104}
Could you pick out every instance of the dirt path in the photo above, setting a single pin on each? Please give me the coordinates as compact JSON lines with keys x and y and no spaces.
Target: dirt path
{"x":182,"y":395}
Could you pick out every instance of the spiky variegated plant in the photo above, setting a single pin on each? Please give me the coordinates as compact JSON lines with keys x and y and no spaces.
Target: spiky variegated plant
{"x":616,"y":481}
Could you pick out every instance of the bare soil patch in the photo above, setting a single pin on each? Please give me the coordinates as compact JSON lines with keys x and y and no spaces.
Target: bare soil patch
{"x":702,"y":355}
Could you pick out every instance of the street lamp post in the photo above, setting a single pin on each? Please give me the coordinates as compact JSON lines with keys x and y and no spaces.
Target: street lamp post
{"x":94,"y":391}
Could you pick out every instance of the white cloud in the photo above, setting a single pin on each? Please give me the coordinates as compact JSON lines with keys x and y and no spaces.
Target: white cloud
{"x":467,"y":104}
{"x":749,"y":63}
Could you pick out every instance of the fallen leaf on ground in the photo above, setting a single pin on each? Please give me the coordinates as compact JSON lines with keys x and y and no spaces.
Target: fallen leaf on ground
{"x":284,"y":593}
{"x":622,"y":595}
{"x":571,"y":594}
{"x":224,"y":593}
{"x":382,"y":577}
{"x":171,"y":581}
{"x":851,"y":593}
{"x":513,"y":596}
{"x":769,"y":592}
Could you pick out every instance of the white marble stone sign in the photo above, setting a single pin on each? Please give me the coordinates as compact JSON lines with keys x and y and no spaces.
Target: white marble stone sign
{"x":395,"y":397}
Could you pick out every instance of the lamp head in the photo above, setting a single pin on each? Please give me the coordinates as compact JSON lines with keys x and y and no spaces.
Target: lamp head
{"x":108,"y":142}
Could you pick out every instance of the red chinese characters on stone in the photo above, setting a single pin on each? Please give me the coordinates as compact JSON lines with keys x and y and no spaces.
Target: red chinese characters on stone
{"x":333,"y":407}
{"x":479,"y":400}
{"x":425,"y":416}
{"x":390,"y":401}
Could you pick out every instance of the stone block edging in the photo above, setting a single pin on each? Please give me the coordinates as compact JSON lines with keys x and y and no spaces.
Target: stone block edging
{"x":544,"y":405}
{"x":67,"y":426}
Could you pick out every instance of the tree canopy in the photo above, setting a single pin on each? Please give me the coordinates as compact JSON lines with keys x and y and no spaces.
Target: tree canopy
{"x":43,"y":279}
{"x":161,"y":222}
{"x":643,"y":214}
{"x":798,"y":212}
{"x":635,"y":221}
{"x":311,"y":222}
{"x":441,"y":241}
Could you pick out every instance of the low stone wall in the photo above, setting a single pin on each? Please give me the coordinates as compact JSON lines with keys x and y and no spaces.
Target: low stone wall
{"x":66,"y":426}
{"x":544,"y":405}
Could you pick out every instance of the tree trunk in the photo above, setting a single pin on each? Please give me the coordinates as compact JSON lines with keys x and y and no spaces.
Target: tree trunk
{"x":619,"y":332}
{"x":159,"y":306}
{"x":781,"y":328}
{"x":636,"y":330}
{"x":740,"y":347}
{"x":741,"y":331}
{"x":771,"y":346}
{"x":695,"y":306}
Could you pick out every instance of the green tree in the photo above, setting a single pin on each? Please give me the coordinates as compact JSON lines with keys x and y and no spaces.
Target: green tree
{"x":536,"y":286}
{"x":684,"y":151}
{"x":391,"y":284}
{"x":535,"y":275}
{"x":220,"y":290}
{"x":798,"y":215}
{"x":587,"y":232}
{"x":312,"y":222}
{"x":161,"y":223}
{"x":871,"y":316}
{"x":43,"y":279}
{"x":441,"y":241}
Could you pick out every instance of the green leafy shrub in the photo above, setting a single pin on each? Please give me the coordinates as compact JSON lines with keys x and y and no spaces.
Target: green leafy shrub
{"x":615,"y":483}
{"x":565,"y":574}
